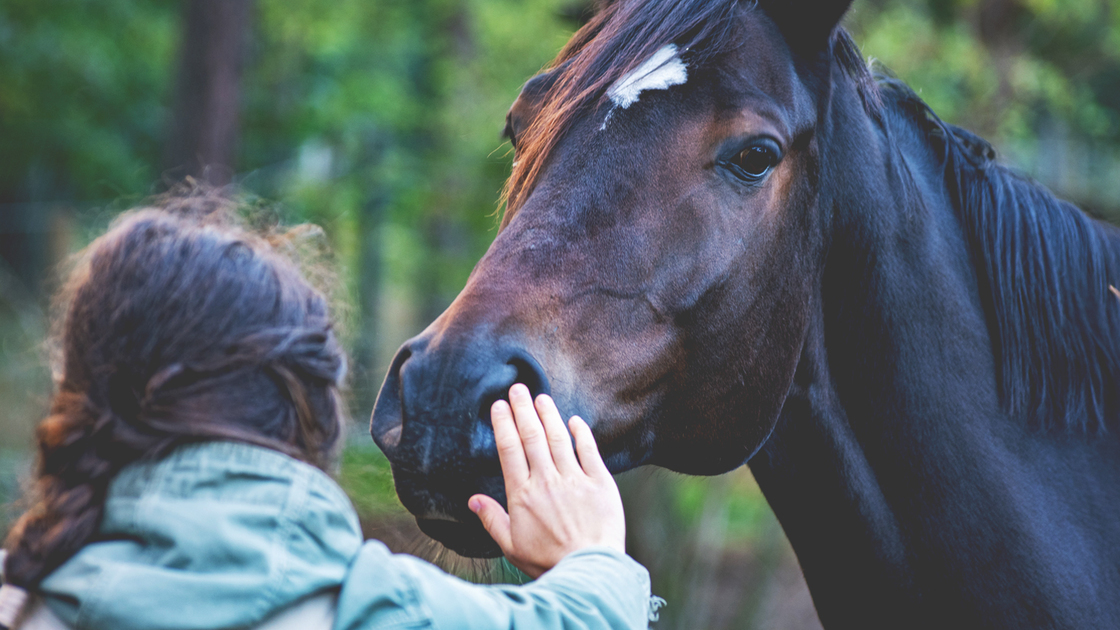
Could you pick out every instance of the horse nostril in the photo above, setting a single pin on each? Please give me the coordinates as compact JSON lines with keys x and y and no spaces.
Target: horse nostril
{"x":519,"y":368}
{"x":390,"y":439}
{"x":525,"y":371}
{"x":424,"y":410}
{"x":387,"y":419}
{"x":529,"y":373}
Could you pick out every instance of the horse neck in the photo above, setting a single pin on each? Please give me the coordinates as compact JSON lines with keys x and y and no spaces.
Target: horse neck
{"x":905,"y":489}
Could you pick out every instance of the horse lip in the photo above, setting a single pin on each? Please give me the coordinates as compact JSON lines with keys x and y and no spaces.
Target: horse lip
{"x":466,"y":539}
{"x":438,"y":516}
{"x":444,"y":498}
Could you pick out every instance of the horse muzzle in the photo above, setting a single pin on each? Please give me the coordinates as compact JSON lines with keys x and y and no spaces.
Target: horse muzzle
{"x":432,"y":421}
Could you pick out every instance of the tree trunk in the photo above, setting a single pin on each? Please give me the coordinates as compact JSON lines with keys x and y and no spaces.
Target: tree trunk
{"x":998,"y":26}
{"x":367,"y":371}
{"x":202,"y":139}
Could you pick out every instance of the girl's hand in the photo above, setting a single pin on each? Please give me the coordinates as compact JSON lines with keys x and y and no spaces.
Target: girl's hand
{"x":557,"y":504}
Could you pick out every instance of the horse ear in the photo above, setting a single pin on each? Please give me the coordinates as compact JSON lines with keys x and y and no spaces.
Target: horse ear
{"x":527,"y":105}
{"x":807,"y":25}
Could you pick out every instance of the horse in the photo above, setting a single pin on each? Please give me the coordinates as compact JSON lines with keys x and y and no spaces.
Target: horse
{"x":726,"y":241}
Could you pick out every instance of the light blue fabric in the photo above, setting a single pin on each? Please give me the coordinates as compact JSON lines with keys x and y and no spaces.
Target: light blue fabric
{"x":222,"y":535}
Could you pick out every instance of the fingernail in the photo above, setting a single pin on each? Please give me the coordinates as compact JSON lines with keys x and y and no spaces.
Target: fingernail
{"x":474,"y":504}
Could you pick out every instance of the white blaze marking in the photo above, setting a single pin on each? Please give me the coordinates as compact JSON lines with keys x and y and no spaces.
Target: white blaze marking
{"x":661,"y":71}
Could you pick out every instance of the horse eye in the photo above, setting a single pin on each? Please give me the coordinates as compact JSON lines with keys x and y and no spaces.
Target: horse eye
{"x":755,"y":161}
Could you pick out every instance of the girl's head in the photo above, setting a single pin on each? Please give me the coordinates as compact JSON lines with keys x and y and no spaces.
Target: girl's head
{"x":179,"y":327}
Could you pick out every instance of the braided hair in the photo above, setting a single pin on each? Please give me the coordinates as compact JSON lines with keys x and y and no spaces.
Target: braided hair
{"x":180,"y":327}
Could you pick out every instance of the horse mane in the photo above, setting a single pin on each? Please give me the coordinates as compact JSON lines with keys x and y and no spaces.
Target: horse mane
{"x":1046,"y":270}
{"x":616,"y":40}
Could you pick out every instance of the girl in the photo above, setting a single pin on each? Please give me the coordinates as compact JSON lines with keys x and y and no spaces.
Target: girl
{"x":180,"y":480}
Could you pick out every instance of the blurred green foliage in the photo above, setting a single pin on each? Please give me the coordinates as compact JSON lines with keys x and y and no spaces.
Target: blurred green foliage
{"x":1038,"y":78}
{"x":364,"y":473}
{"x":354,"y":107}
{"x":83,"y":97}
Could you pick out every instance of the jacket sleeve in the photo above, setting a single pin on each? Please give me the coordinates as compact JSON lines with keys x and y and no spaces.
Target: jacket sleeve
{"x":596,"y":588}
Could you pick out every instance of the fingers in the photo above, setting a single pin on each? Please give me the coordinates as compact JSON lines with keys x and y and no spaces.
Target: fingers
{"x":559,"y":441}
{"x":494,"y":519}
{"x":515,"y":469}
{"x":589,"y":456}
{"x":532,"y":431}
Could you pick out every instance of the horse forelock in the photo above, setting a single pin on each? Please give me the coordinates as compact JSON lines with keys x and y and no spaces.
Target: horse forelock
{"x":616,"y":42}
{"x":613,"y":44}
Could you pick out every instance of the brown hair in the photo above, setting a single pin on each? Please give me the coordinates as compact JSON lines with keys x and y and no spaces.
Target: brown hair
{"x":180,"y":327}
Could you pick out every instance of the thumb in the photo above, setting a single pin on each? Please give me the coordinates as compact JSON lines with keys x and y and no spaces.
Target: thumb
{"x":494,"y":519}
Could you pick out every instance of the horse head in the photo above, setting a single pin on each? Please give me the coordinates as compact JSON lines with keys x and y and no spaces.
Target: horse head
{"x":657,"y":261}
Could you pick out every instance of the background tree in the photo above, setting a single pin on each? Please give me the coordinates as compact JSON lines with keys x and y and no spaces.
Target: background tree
{"x":204,"y":128}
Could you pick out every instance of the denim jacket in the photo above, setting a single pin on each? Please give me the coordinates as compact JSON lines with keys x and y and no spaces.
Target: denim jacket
{"x":225,"y":535}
